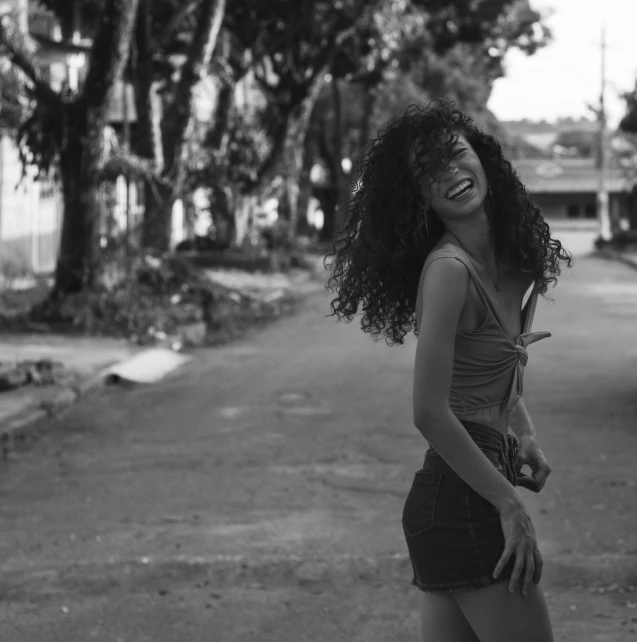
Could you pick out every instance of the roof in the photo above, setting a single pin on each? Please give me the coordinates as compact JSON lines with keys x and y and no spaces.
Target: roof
{"x":572,"y":175}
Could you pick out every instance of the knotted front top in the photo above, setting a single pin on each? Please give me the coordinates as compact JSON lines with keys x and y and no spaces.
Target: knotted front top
{"x":488,"y":365}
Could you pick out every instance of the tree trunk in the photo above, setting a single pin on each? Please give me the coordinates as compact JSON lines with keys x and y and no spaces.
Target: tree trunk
{"x":176,"y":124}
{"x":331,"y":151}
{"x":369,"y":101}
{"x":145,"y":144}
{"x":225,"y":102}
{"x":328,"y":198}
{"x":244,"y":208}
{"x":82,"y":152}
{"x":147,"y":141}
{"x":340,"y":179}
{"x":76,"y":256}
{"x":157,"y":227}
{"x":305,"y":182}
{"x":294,"y":148}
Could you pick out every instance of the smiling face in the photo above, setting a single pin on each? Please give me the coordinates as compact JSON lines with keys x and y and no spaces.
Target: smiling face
{"x":461,"y":188}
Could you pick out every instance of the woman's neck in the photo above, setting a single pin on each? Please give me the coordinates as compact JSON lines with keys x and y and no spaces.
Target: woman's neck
{"x":480,"y":246}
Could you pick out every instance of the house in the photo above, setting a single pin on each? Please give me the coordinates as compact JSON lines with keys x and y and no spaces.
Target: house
{"x":565,"y":189}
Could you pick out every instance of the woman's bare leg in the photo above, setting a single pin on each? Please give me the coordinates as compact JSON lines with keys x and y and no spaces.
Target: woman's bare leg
{"x":442,"y":620}
{"x":497,"y":616}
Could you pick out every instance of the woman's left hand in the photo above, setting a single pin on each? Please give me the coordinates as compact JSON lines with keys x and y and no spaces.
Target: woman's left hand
{"x":529,"y":454}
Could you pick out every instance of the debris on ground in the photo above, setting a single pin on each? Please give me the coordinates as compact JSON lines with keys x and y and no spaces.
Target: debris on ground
{"x":43,"y":372}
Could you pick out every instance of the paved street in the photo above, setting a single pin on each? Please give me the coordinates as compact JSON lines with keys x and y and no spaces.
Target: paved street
{"x":257,"y":494}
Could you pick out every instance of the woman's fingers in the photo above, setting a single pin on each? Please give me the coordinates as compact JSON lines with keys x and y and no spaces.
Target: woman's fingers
{"x":528,"y":482}
{"x":506,"y":554}
{"x":529,"y":570}
{"x":539,"y":562}
{"x":518,"y":567}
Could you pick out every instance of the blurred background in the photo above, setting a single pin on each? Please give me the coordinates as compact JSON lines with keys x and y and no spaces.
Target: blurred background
{"x":233,"y":127}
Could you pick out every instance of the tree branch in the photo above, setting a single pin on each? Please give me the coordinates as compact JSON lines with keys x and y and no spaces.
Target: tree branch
{"x":62,"y":47}
{"x":178,"y":113}
{"x":110,"y":50}
{"x":172,"y":24}
{"x":22,"y":60}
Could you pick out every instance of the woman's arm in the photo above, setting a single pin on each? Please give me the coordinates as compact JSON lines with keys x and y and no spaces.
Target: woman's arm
{"x":529,"y":452}
{"x":520,"y":422}
{"x":444,"y":293}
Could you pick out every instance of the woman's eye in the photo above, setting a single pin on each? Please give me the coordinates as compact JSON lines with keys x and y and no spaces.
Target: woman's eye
{"x":459,"y":151}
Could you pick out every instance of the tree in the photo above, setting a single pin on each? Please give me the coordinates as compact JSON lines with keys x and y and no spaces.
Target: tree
{"x":12,"y":98}
{"x":281,"y":50}
{"x":578,"y":142}
{"x":628,"y":123}
{"x":170,"y":52}
{"x":412,"y":52}
{"x":177,"y":119}
{"x":64,"y":132}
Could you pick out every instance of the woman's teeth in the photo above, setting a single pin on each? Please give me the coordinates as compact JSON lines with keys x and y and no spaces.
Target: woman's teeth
{"x":459,"y":189}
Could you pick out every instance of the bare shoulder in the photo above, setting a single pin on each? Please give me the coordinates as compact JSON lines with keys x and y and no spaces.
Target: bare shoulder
{"x":444,"y":289}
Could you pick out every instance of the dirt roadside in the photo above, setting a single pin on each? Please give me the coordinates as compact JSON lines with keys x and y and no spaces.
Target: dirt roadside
{"x":257,"y":495}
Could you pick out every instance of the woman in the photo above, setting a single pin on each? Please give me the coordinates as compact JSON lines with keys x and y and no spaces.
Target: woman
{"x":441,"y":236}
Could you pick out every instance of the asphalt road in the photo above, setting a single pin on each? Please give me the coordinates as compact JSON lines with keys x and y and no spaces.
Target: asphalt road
{"x":257,"y":493}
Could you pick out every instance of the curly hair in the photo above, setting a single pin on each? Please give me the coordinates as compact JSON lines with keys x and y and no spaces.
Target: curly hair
{"x":376,"y":261}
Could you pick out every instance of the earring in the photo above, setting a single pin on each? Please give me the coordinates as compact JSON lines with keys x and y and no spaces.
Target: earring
{"x":426,"y":223}
{"x":491,"y":194}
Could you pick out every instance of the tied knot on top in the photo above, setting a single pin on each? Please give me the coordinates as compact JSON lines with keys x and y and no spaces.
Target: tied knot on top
{"x":521,"y":344}
{"x":523,"y":355}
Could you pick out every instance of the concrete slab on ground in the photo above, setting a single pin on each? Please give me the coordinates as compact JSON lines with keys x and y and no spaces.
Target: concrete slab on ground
{"x":89,"y":360}
{"x":84,"y":358}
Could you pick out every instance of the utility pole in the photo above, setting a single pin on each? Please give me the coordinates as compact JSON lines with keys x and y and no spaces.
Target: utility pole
{"x":603,"y":215}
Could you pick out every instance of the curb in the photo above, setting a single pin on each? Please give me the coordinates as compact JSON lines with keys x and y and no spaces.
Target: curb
{"x":616,"y":256}
{"x":21,"y":427}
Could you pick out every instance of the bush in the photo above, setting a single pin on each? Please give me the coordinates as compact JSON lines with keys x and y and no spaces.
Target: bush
{"x":155,"y":297}
{"x":13,"y":267}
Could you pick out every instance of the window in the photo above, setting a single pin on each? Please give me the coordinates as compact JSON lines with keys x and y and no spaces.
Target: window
{"x":572,"y":211}
{"x":590,"y":211}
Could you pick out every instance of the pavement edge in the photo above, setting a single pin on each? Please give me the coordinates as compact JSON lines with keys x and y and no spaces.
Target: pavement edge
{"x":614,"y":255}
{"x":22,"y":425}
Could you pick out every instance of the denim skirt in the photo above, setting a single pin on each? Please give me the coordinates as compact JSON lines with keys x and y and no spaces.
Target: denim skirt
{"x":454,"y":536}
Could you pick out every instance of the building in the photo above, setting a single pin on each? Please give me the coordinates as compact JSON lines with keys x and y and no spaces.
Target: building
{"x":566,"y":191}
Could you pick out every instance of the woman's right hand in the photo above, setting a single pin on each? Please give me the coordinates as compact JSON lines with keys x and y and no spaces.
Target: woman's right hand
{"x":519,"y":540}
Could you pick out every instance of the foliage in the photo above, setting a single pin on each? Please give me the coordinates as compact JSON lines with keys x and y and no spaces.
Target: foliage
{"x":147,"y":298}
{"x":494,"y":24}
{"x":236,"y":163}
{"x":582,"y":143}
{"x":150,"y":296}
{"x":13,"y":100}
{"x":628,"y":123}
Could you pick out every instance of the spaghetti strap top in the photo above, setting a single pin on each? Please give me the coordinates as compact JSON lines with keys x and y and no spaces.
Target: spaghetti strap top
{"x":488,"y":363}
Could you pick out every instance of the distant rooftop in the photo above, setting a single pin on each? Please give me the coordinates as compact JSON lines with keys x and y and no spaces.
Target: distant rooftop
{"x":573,"y":175}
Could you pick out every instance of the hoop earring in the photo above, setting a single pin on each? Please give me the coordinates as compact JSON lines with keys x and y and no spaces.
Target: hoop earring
{"x":426,"y":223}
{"x":491,"y":194}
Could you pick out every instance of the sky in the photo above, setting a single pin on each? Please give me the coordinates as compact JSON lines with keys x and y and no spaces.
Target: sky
{"x":561,"y":78}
